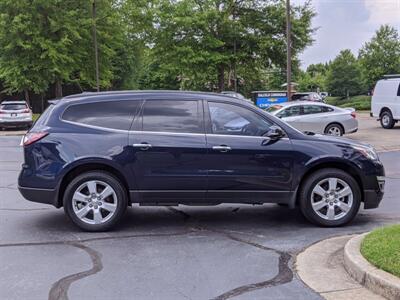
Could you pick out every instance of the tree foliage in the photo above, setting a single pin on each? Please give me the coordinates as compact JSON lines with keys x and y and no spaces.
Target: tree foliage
{"x":201,"y":44}
{"x":381,"y":55}
{"x":344,"y":76}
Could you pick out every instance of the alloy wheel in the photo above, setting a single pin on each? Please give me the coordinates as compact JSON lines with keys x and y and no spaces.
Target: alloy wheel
{"x":332,"y":198}
{"x":335,"y":131}
{"x":94,"y":202}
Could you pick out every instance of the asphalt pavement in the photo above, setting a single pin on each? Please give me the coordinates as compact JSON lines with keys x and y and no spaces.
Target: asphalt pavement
{"x":222,"y":252}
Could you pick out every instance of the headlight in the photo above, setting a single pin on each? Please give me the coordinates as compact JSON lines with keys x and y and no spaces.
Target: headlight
{"x":368,"y":152}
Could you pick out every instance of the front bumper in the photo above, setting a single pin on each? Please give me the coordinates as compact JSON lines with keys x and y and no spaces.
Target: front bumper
{"x":372,"y":198}
{"x":46,"y":196}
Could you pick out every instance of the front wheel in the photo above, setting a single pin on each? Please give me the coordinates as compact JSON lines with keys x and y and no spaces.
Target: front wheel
{"x":95,"y":201}
{"x":330,"y":197}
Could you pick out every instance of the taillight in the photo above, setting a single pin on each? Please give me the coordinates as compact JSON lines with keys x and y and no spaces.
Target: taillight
{"x":26,"y":110}
{"x":353,"y":114}
{"x":32,"y":137}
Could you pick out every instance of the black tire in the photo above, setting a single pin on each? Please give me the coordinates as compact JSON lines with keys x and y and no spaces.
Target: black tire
{"x":120,"y":193}
{"x":387,"y":120}
{"x":305,"y":200}
{"x":334,"y":126}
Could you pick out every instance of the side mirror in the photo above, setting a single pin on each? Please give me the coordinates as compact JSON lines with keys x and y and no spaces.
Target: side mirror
{"x":274,"y":133}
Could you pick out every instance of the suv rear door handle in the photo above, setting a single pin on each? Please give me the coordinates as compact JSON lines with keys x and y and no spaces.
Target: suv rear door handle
{"x":222,"y":148}
{"x":142,"y":146}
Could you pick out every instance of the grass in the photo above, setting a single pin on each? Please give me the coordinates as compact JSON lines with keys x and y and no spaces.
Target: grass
{"x":358,"y":102}
{"x":381,"y":248}
{"x":35,"y":117}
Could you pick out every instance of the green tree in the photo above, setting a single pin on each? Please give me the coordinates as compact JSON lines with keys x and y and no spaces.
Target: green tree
{"x":381,"y":55}
{"x":206,"y":44}
{"x":344,"y":77}
{"x":46,"y":42}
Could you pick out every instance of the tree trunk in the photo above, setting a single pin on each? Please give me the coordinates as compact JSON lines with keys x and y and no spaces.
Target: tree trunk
{"x":27,"y":97}
{"x":221,"y":78}
{"x":59,"y":92}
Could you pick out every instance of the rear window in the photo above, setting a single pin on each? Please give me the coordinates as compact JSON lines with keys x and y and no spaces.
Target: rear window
{"x":13,"y":106}
{"x":110,"y":114}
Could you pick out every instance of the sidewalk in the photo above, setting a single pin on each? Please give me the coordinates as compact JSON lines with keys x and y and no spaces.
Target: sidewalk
{"x":321,"y":268}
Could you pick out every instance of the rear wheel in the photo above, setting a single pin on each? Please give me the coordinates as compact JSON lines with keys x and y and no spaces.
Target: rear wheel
{"x":387,"y":120}
{"x":330,"y":197}
{"x":95,"y":201}
{"x":334,"y":129}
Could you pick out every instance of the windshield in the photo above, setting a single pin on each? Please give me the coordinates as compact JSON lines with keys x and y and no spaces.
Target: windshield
{"x":12,"y":106}
{"x":273,"y":108}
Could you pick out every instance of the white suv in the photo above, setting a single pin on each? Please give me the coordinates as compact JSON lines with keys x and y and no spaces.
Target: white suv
{"x":15,"y":114}
{"x":386,"y":101}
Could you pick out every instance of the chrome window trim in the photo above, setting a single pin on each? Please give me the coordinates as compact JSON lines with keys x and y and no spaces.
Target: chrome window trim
{"x":201,"y":134}
{"x":95,"y":127}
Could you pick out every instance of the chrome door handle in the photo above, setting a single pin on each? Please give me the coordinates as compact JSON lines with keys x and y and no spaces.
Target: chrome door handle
{"x":142,"y":146}
{"x":222,"y":148}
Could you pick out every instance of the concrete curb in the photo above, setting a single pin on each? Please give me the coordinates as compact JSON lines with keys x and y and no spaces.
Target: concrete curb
{"x":378,"y":281}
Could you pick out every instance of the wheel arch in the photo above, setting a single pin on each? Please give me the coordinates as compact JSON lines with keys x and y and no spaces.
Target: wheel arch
{"x":86,"y":167}
{"x":383,"y":109}
{"x":341,"y":165}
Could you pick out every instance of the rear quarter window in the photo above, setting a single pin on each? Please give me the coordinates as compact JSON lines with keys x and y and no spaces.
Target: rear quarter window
{"x":109,"y":114}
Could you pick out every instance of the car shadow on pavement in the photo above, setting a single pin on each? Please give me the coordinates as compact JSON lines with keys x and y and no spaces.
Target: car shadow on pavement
{"x":265,"y":219}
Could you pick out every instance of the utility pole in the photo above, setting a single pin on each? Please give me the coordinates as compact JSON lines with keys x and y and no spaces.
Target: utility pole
{"x":288,"y":52}
{"x":96,"y":50}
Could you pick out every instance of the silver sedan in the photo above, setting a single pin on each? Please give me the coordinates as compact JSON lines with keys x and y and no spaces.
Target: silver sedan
{"x":316,"y":117}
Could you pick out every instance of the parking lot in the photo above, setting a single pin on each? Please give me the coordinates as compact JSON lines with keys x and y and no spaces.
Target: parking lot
{"x":223,"y":252}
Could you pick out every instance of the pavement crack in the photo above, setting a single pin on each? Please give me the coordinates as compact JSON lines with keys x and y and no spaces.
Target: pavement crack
{"x":59,"y":289}
{"x":285,"y":273}
{"x":102,"y":238}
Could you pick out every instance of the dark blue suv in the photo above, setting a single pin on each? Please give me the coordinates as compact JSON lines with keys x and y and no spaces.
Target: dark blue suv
{"x":97,"y":153}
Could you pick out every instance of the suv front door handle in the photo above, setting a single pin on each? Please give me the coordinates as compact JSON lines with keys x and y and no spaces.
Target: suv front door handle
{"x":222,"y":148}
{"x":142,"y":146}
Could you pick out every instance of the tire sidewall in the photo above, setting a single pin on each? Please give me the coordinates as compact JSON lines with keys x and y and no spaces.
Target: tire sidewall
{"x":306,"y":191}
{"x":100,"y":176}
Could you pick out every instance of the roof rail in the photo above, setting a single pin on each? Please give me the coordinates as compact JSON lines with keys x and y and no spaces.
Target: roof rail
{"x":390,"y":76}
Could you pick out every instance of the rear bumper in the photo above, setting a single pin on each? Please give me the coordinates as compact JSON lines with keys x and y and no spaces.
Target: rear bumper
{"x":13,"y":124}
{"x":46,"y":196}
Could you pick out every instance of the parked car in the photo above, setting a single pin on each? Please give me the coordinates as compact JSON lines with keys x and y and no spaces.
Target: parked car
{"x":324,"y":95}
{"x":97,"y":153}
{"x":15,"y":114}
{"x":236,"y":95}
{"x":308,"y":96}
{"x":385,"y":103}
{"x":316,"y":117}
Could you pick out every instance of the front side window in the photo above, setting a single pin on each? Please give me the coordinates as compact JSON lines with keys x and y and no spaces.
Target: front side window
{"x":291,"y":111}
{"x":110,"y":114}
{"x":231,"y":119}
{"x":180,"y":116}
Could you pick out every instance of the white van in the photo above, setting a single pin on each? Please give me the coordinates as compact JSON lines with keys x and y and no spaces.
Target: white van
{"x":385,"y":104}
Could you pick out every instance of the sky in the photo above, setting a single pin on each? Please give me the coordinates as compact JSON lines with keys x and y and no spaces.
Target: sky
{"x":347,"y":24}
